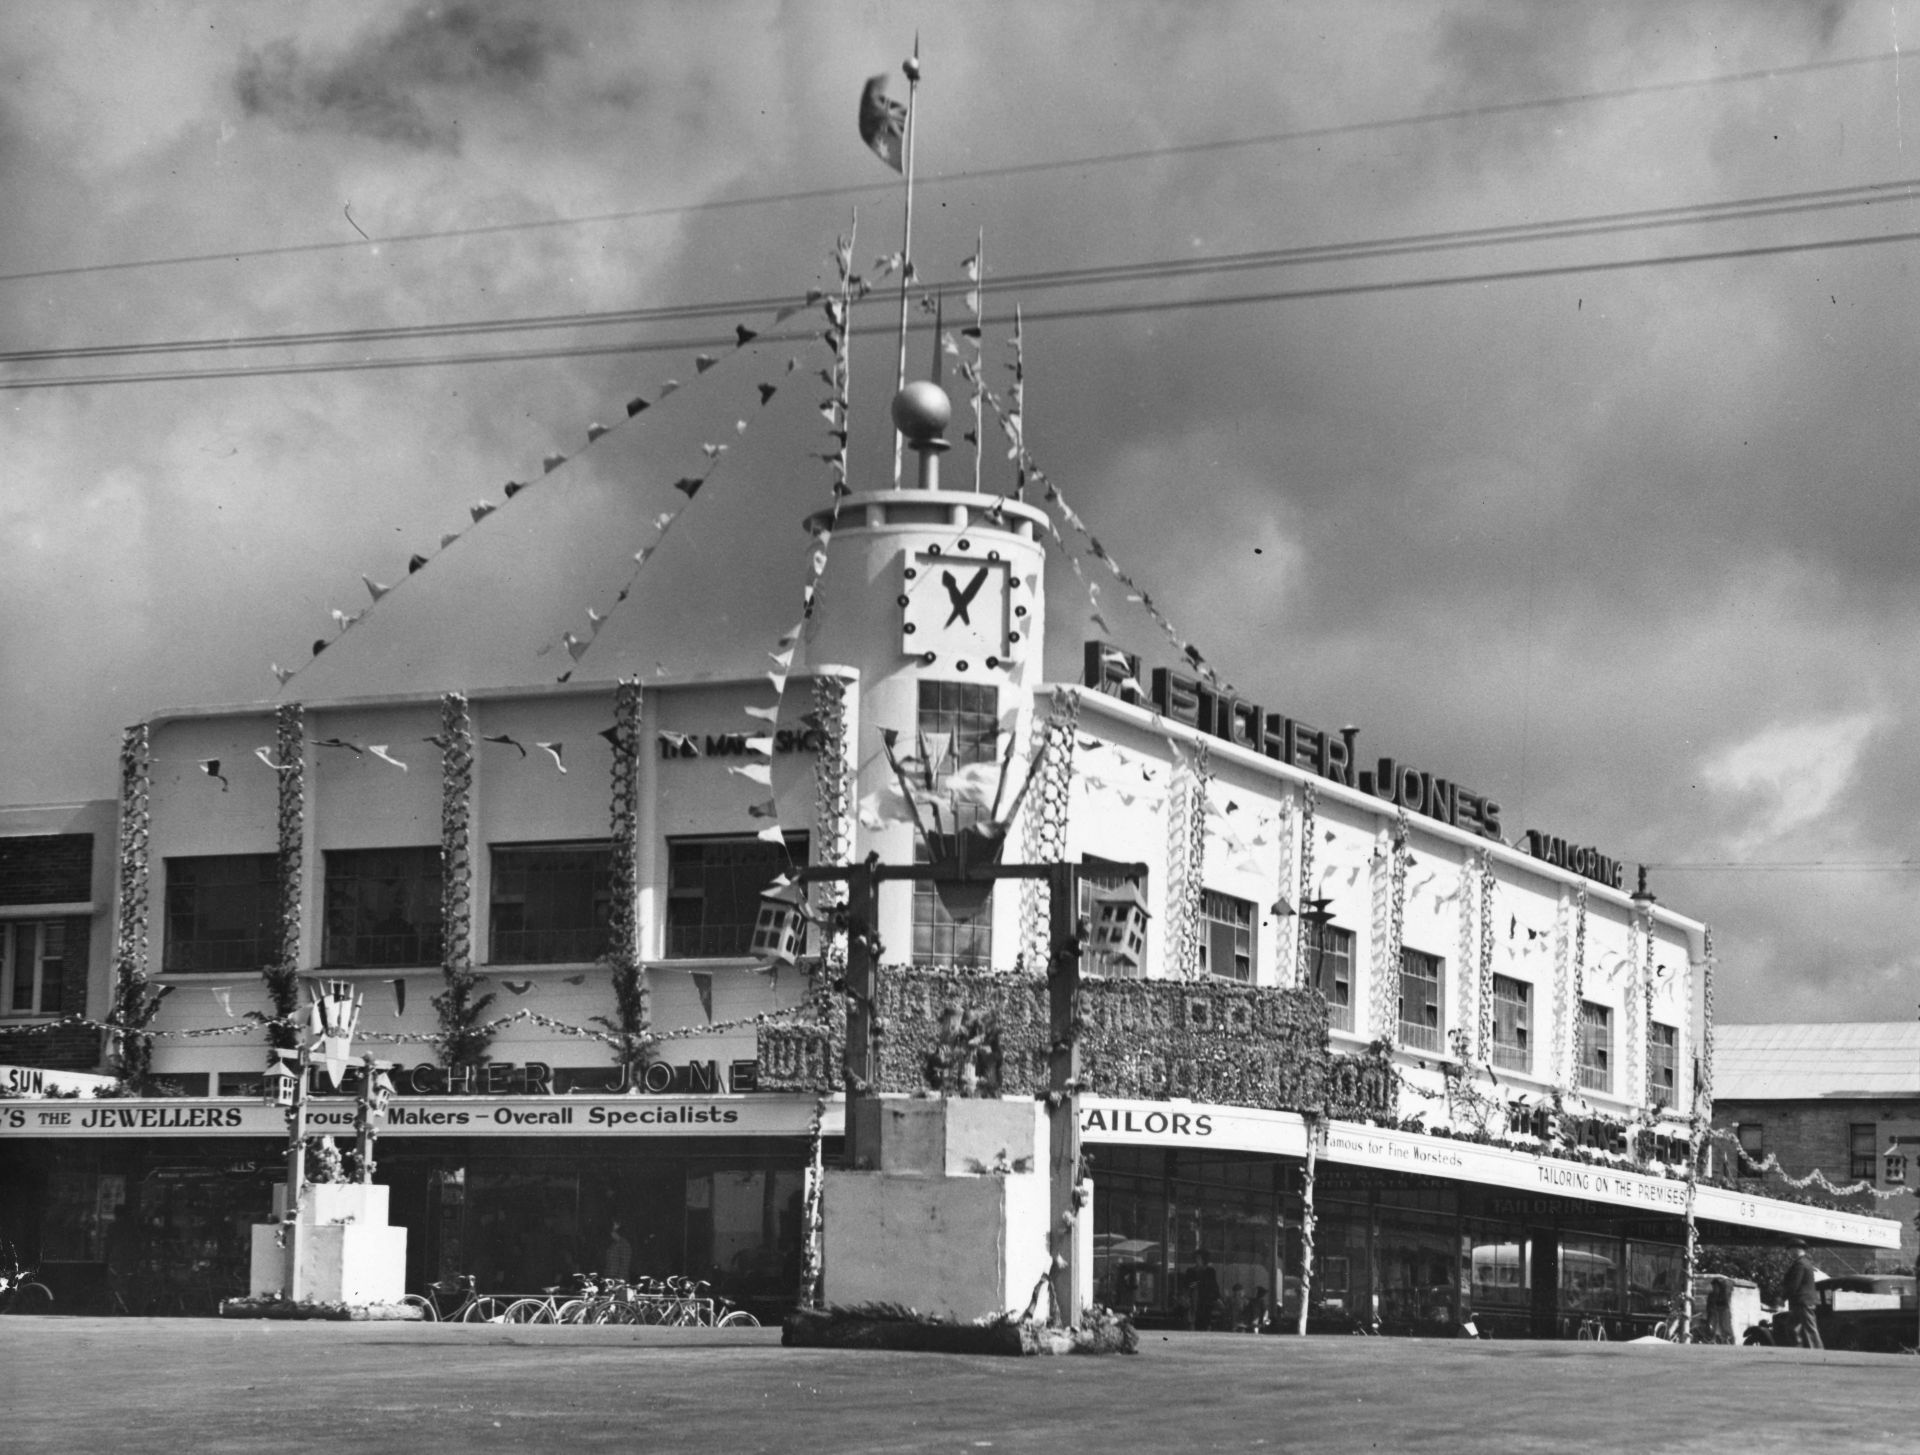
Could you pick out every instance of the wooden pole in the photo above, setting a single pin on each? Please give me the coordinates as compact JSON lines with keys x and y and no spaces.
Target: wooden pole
{"x":1063,"y":1091}
{"x":863,"y":980}
{"x":912,"y":69}
{"x":297,"y":1169}
{"x":1306,"y":1222}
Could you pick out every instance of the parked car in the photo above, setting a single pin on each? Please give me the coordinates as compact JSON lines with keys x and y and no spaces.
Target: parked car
{"x":1872,"y":1311}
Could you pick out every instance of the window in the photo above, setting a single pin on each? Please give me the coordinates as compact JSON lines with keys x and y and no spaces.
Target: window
{"x":550,"y":903}
{"x":1333,"y":973}
{"x":1753,"y":1147}
{"x":1512,"y":1023}
{"x":222,"y":913}
{"x":1896,"y":1169}
{"x":1226,"y":937}
{"x":1663,"y":1064}
{"x":713,"y":892}
{"x":383,"y":907}
{"x":1096,"y":878}
{"x":1596,"y":1047}
{"x":1863,"y":1150}
{"x":959,"y":727}
{"x":46,"y":868}
{"x":43,"y":965}
{"x":1419,"y":1000}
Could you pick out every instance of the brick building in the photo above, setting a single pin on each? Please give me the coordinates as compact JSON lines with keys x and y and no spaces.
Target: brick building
{"x":1842,"y":1098}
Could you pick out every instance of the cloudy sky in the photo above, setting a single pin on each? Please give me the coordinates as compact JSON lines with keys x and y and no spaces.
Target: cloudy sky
{"x":1619,"y":529}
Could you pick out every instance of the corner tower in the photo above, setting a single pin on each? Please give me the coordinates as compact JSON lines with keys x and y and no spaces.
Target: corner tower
{"x":938,"y":597}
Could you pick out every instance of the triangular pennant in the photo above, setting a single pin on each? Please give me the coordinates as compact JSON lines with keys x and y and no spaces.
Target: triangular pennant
{"x":703,"y":362}
{"x":481,"y":509}
{"x":399,"y":997}
{"x":552,"y":462}
{"x":703,"y":987}
{"x":379,"y":750}
{"x":688,"y":486}
{"x":635,"y":405}
{"x":374,"y":588}
{"x":594,"y":431}
{"x":505,"y":740}
{"x":415,"y":562}
{"x":767,"y":391}
{"x":211,"y":767}
{"x":742,"y":335}
{"x":556,"y":749}
{"x":224,"y":995}
{"x":759,"y":773}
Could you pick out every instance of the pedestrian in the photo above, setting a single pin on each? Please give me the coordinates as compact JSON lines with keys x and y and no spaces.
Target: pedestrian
{"x":1233,"y":1315}
{"x":1203,"y":1282}
{"x":1798,"y":1288}
{"x":617,"y":1260}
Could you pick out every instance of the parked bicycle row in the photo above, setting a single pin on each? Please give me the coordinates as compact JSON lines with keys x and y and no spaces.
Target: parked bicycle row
{"x":585,"y":1298}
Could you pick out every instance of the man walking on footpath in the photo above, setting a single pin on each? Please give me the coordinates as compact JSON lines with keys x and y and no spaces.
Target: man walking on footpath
{"x":1798,"y":1290}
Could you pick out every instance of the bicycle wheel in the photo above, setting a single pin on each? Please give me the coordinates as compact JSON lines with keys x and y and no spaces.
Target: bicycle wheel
{"x":738,"y":1319}
{"x":429,"y":1313}
{"x":528,"y":1311}
{"x":573,"y":1311}
{"x":485,"y":1309}
{"x":31,"y":1298}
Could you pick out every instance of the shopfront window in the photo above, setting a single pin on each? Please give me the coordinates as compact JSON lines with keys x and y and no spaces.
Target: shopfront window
{"x":1512,"y":1023}
{"x":1589,"y":1274}
{"x":382,"y":907}
{"x":1502,"y":1268}
{"x":1419,"y":1000}
{"x":550,"y":903}
{"x":1418,"y":1257}
{"x":1655,"y":1274}
{"x":713,"y":891}
{"x":223,"y":912}
{"x":1863,"y":1150}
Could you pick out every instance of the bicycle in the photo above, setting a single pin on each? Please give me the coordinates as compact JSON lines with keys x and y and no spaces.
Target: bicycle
{"x":472,"y":1307}
{"x":22,"y":1293}
{"x":557,"y":1305}
{"x":1592,"y":1330}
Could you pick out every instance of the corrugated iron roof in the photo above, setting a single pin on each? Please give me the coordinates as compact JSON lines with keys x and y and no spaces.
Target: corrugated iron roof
{"x":1825,"y":1061}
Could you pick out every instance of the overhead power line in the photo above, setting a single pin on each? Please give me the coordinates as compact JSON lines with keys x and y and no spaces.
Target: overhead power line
{"x":939,"y":179}
{"x":1033,"y":315}
{"x":1793,"y":866}
{"x":1559,"y":229}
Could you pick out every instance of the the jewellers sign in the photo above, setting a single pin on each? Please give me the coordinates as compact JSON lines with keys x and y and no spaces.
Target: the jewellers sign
{"x":542,"y":1116}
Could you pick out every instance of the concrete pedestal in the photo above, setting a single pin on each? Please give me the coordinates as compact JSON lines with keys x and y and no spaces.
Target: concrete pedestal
{"x":348,"y":1253}
{"x":953,"y":1219}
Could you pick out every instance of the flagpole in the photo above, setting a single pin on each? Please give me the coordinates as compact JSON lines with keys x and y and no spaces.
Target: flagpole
{"x":912,"y":69}
{"x":979,"y":324}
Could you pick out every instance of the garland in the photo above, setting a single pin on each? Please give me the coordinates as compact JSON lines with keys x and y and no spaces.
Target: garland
{"x":1484,"y":980}
{"x":290,"y":768}
{"x":1704,"y":1111}
{"x":462,"y":1041}
{"x":1465,"y":982}
{"x":632,"y":1006}
{"x":1044,"y":836}
{"x":1187,"y":853}
{"x":133,"y":1008}
{"x":1557,"y":1038}
{"x":832,"y":791}
{"x":1309,"y":891}
{"x":1576,"y":990}
{"x":1288,"y":970}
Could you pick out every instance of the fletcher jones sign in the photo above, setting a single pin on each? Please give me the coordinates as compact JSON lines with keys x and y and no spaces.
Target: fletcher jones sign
{"x":1183,"y":697}
{"x":542,"y":1116}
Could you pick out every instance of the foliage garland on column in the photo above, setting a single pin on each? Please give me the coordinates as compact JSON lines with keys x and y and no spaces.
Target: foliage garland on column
{"x":1576,"y":991}
{"x":133,"y":1008}
{"x":1288,"y":968}
{"x":1389,"y":928}
{"x":463,"y":1037}
{"x":283,"y":975}
{"x":632,"y":1002}
{"x":832,"y":790}
{"x":1465,"y":982}
{"x":1187,"y":847}
{"x":1638,"y":993}
{"x":1044,"y":835}
{"x":1705,"y":1113}
{"x":1309,"y":891}
{"x":1556,"y":1038}
{"x":1485,"y":976}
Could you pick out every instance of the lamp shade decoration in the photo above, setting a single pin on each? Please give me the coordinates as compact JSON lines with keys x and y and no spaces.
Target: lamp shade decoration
{"x":1120,"y":926}
{"x":780,"y":930}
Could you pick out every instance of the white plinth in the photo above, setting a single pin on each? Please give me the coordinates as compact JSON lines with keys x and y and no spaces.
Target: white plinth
{"x":348,"y":1253}
{"x":954,"y":1221}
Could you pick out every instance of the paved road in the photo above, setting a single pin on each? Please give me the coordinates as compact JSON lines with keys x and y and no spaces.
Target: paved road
{"x":208,"y":1387}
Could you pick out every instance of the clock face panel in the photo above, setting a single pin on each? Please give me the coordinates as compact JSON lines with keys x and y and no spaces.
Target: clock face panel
{"x":960,"y":607}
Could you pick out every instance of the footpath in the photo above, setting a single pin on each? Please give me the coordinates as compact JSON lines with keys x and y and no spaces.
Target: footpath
{"x":210,"y":1386}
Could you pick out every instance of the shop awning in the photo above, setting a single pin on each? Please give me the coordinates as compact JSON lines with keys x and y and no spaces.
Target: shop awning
{"x":1202,"y":1127}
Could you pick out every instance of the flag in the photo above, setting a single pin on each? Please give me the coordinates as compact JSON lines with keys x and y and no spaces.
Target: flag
{"x":399,"y":997}
{"x":883,"y":123}
{"x":703,"y":987}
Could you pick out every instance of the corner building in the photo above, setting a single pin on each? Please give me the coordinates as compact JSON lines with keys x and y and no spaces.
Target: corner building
{"x":1546,"y":1028}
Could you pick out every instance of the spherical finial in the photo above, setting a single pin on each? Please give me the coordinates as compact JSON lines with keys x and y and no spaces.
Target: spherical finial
{"x":922,"y":411}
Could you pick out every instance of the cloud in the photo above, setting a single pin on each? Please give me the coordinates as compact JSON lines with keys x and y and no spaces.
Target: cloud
{"x":375,"y":88}
{"x":1788,"y":776}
